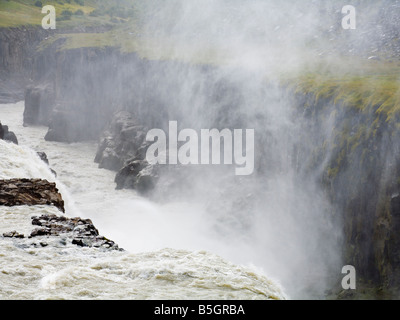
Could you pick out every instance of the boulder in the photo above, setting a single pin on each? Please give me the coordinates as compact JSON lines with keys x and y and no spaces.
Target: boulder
{"x":7,"y":135}
{"x":139,"y":175}
{"x":13,"y":234}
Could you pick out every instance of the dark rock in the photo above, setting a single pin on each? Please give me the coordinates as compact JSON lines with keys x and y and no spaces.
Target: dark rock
{"x":41,"y":232}
{"x":79,"y":242}
{"x":121,"y":141}
{"x":13,"y":234}
{"x":16,"y":192}
{"x":10,"y":136}
{"x":17,"y":51}
{"x":7,"y":135}
{"x":39,"y":101}
{"x":43,"y":156}
{"x":61,"y":128}
{"x":82,"y":231}
{"x":137,"y":174}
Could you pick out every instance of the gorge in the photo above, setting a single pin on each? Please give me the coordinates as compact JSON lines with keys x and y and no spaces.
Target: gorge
{"x":325,"y":188}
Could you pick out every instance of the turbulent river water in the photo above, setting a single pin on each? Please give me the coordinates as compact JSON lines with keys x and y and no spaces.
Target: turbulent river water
{"x":169,"y":252}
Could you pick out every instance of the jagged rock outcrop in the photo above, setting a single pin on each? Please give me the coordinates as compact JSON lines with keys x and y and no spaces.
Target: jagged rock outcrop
{"x":77,"y":231}
{"x":7,"y":135}
{"x":16,"y":192}
{"x":139,"y":175}
{"x":121,"y":141}
{"x":82,"y":231}
{"x":43,"y":156}
{"x":123,"y":148}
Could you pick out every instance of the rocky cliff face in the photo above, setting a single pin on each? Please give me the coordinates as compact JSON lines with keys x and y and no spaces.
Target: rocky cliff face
{"x":17,"y":59}
{"x":356,"y":154}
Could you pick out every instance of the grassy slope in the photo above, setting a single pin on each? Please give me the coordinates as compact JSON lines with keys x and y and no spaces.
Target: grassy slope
{"x":119,"y":15}
{"x":364,"y":100}
{"x":369,"y":86}
{"x":15,"y":13}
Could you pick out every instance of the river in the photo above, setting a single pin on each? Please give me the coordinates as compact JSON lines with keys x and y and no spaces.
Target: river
{"x":170,"y":250}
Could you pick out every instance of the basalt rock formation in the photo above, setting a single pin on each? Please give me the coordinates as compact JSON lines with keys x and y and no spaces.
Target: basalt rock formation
{"x":17,"y":60}
{"x":39,"y":101}
{"x":359,"y":161}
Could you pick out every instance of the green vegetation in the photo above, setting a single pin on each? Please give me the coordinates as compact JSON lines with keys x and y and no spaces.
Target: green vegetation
{"x":15,"y":13}
{"x":363,"y":104}
{"x":369,"y":87}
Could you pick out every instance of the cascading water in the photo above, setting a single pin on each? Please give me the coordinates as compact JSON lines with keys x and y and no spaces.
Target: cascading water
{"x":277,"y":221}
{"x":276,"y":227}
{"x":156,"y":264}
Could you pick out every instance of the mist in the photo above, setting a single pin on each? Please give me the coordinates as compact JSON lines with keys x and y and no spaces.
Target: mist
{"x":278,"y":219}
{"x":230,"y":64}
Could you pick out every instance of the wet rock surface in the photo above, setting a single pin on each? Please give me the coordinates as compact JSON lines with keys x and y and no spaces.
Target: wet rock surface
{"x":121,"y":141}
{"x":14,"y":192}
{"x":7,"y":135}
{"x":39,"y":101}
{"x":80,"y":231}
{"x":13,"y":234}
{"x":122,"y":148}
{"x":43,"y":157}
{"x":49,"y":229}
{"x":139,"y":175}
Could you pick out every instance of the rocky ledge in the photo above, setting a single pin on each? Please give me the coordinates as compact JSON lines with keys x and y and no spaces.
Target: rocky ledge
{"x":16,"y":192}
{"x":48,"y":227}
